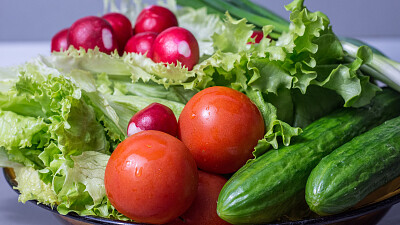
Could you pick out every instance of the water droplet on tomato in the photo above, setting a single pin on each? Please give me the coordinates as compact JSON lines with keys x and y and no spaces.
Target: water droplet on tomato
{"x":138,"y":171}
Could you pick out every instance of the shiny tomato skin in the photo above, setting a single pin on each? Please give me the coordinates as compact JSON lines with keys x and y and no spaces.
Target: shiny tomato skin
{"x":221,"y":127}
{"x":204,"y":208}
{"x":151,"y":177}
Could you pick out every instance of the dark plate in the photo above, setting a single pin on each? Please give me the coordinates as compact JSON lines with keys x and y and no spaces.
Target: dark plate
{"x":369,"y":214}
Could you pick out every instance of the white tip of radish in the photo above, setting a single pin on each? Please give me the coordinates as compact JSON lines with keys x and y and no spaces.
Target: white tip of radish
{"x":183,"y":49}
{"x":133,"y":129}
{"x":107,"y":38}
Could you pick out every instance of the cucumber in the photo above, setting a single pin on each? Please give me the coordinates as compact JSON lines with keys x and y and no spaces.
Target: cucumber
{"x":272,"y":185}
{"x":355,"y":169}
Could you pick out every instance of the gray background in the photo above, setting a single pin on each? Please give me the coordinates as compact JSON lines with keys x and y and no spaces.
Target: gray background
{"x":39,"y":20}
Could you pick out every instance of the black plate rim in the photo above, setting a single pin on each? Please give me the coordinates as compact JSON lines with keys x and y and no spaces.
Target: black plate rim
{"x":351,"y":214}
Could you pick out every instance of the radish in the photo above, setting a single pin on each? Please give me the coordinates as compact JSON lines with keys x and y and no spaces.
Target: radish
{"x":258,"y":35}
{"x":141,"y":43}
{"x":176,"y":44}
{"x":155,"y":19}
{"x":122,"y":27}
{"x":59,"y":41}
{"x":156,"y":116}
{"x":92,"y":31}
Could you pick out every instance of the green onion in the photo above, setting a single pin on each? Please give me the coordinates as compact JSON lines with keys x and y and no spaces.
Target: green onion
{"x":199,"y":4}
{"x":261,"y":11}
{"x":380,"y":67}
{"x":240,"y":13}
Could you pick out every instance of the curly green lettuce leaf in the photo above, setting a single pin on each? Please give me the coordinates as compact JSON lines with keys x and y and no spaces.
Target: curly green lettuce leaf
{"x":234,"y":36}
{"x":78,"y":182}
{"x":201,"y":25}
{"x":274,"y":127}
{"x":32,"y":187}
{"x":82,"y":187}
{"x":111,"y":85}
{"x":22,"y":137}
{"x":132,"y":65}
{"x":72,"y":122}
{"x":21,"y":131}
{"x":5,"y":159}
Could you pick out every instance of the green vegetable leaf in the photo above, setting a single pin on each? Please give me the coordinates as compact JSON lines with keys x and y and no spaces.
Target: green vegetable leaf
{"x":32,"y":188}
{"x":274,"y":128}
{"x":238,"y":31}
{"x":22,"y":132}
{"x":83,"y":186}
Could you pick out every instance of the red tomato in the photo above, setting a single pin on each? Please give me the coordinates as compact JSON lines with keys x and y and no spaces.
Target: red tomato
{"x":220,"y":126}
{"x":204,"y":207}
{"x":151,"y":177}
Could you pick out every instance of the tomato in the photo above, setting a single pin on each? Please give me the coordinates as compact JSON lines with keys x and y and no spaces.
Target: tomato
{"x":151,"y":177}
{"x":204,"y":207}
{"x":221,"y":127}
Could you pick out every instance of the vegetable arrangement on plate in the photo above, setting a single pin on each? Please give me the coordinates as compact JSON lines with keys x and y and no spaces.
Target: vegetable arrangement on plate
{"x":143,"y":113}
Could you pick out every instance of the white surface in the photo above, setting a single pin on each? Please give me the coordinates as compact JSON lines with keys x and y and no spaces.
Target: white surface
{"x":14,"y":213}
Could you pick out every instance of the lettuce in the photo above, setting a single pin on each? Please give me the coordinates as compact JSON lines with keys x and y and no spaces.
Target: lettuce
{"x":32,"y":187}
{"x":61,"y":127}
{"x":82,"y":188}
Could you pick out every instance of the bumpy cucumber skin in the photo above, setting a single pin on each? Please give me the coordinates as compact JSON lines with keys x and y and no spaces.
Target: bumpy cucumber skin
{"x":273,"y":184}
{"x":351,"y":172}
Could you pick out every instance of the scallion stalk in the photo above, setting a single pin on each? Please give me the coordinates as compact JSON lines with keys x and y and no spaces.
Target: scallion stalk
{"x":240,"y":13}
{"x":196,"y":4}
{"x":262,"y":11}
{"x":380,"y":67}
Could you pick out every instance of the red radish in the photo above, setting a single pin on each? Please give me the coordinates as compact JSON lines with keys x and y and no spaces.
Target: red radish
{"x":122,"y":27}
{"x":92,"y":31}
{"x":155,"y":19}
{"x":154,"y":117}
{"x":176,"y":44}
{"x":258,"y":35}
{"x":59,"y":41}
{"x":141,"y":43}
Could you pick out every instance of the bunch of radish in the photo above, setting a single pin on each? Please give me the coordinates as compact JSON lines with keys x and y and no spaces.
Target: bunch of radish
{"x":155,"y":34}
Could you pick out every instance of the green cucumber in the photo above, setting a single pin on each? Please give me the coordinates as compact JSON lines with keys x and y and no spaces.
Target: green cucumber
{"x":272,"y":185}
{"x":355,"y":169}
